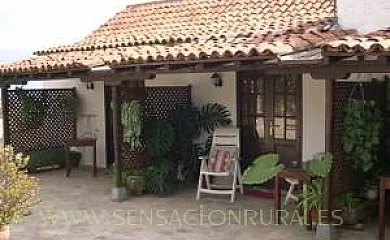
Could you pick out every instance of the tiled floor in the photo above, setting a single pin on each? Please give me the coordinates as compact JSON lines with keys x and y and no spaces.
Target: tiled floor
{"x":80,"y":208}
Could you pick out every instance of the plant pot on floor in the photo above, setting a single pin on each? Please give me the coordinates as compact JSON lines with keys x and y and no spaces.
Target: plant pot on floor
{"x":352,"y":216}
{"x":4,"y":232}
{"x":372,"y":194}
{"x":326,"y":232}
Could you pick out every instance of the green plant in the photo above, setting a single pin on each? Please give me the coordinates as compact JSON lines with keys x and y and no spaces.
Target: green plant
{"x":315,"y":195}
{"x":43,"y":159}
{"x":362,"y":132}
{"x":189,"y":122}
{"x":186,"y":122}
{"x":17,"y":188}
{"x":71,"y":106}
{"x":349,"y":201}
{"x":135,"y":180}
{"x":32,"y":109}
{"x":319,"y":168}
{"x":213,"y":115}
{"x":353,"y":207}
{"x":160,"y":176}
{"x":159,"y":137}
{"x":191,"y":164}
{"x":131,"y":122}
{"x":320,"y":165}
{"x":262,"y":169}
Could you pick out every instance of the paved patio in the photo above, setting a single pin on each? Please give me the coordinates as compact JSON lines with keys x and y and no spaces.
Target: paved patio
{"x":80,"y":208}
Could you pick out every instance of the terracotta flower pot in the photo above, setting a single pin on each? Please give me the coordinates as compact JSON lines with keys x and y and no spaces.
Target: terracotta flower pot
{"x":4,"y":232}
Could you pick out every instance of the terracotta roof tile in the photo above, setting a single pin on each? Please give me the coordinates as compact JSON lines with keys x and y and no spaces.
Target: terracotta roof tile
{"x":192,"y":29}
{"x":377,"y":42}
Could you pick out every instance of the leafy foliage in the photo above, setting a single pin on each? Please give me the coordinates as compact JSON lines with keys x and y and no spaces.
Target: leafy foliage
{"x":189,"y":122}
{"x":159,"y":137}
{"x":262,"y":169}
{"x":315,"y":195}
{"x":319,"y":168}
{"x":17,"y":189}
{"x":33,"y":109}
{"x":160,"y":177}
{"x":362,"y":131}
{"x":214,"y":115}
{"x":320,"y":165}
{"x":42,"y":159}
{"x":131,"y":122}
{"x":349,"y":201}
{"x":135,"y":180}
{"x":71,"y":106}
{"x":186,"y":122}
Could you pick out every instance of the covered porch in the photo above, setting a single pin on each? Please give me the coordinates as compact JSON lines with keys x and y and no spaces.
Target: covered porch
{"x":95,"y":216}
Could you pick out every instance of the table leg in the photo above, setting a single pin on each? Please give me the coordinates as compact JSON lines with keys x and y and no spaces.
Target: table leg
{"x":68,"y":164}
{"x":306,"y":211}
{"x":94,"y":160}
{"x":277,"y":200}
{"x":381,"y":230}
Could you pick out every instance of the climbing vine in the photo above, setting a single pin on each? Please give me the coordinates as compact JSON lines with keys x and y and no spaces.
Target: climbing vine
{"x":362,"y":131}
{"x":32,"y":109}
{"x":131,"y":122}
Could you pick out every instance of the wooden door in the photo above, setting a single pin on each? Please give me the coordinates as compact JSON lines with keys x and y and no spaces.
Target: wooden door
{"x":270,"y":116}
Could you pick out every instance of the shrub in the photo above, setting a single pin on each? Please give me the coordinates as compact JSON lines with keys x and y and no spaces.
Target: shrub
{"x":17,"y":189}
{"x":51,"y":158}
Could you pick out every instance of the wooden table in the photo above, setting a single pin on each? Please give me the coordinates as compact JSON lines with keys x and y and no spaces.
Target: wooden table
{"x":80,"y":142}
{"x":294,"y":173}
{"x":383,"y":186}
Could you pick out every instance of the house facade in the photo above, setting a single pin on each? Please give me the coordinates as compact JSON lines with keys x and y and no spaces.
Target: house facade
{"x":279,"y":61}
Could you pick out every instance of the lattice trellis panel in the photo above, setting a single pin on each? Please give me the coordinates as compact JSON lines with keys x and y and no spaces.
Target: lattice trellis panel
{"x":56,"y":125}
{"x":159,"y":102}
{"x":162,"y":100}
{"x":344,"y":178}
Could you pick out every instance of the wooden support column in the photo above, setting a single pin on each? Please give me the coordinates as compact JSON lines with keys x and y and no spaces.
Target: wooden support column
{"x":328,"y":142}
{"x":118,"y":192}
{"x":4,"y":107}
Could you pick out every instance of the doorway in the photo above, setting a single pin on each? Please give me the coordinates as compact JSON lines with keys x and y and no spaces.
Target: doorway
{"x":270,"y":116}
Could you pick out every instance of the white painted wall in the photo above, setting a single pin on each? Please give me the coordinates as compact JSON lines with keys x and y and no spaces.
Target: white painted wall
{"x":364,"y":15}
{"x":203,"y":90}
{"x":313,"y":117}
{"x":91,"y":121}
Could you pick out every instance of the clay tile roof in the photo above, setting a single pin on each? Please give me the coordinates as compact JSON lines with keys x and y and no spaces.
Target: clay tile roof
{"x":377,"y":42}
{"x":192,"y":29}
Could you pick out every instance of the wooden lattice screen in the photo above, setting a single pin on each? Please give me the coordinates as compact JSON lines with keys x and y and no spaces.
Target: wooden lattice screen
{"x":55,"y":127}
{"x":159,"y":102}
{"x":344,"y":178}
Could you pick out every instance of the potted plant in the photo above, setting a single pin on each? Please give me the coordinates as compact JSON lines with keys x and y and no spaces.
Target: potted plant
{"x":17,"y":189}
{"x":352,"y":207}
{"x":318,"y":168}
{"x":134,"y":180}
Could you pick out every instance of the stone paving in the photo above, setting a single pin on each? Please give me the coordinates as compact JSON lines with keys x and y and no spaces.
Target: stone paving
{"x":80,"y":208}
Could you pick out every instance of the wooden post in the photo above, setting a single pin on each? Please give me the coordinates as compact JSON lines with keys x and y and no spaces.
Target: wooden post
{"x":118,"y":192}
{"x":115,"y":129}
{"x":5,"y":109}
{"x":329,"y":83}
